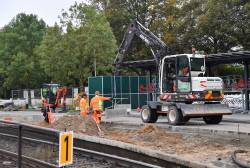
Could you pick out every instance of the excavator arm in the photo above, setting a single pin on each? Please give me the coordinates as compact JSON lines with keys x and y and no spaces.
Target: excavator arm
{"x":136,"y":29}
{"x":63,"y":92}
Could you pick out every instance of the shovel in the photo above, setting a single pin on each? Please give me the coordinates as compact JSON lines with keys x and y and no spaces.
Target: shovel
{"x":100,"y":133}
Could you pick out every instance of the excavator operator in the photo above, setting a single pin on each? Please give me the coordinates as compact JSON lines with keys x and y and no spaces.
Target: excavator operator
{"x":96,"y":104}
{"x":84,"y":107}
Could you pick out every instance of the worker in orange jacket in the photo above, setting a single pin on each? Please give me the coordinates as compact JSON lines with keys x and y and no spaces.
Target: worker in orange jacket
{"x":84,"y":107}
{"x":96,"y":104}
{"x":184,"y":71}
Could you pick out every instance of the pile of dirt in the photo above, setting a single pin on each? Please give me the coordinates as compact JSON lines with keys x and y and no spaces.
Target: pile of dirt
{"x":82,"y":124}
{"x":147,"y":135}
{"x":41,"y":124}
{"x":202,"y":149}
{"x":189,"y":146}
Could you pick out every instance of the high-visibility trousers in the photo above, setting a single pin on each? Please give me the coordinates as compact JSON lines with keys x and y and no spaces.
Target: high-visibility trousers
{"x":97,"y":115}
{"x":50,"y":117}
{"x":83,"y":113}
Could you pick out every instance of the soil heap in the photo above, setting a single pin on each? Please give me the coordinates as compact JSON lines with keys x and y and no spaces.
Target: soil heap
{"x":147,"y":135}
{"x":80,"y":124}
{"x":191,"y":147}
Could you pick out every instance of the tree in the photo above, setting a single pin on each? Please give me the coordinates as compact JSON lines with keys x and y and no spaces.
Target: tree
{"x":213,"y":26}
{"x":52,"y":57}
{"x":19,"y":65}
{"x":164,"y":15}
{"x":120,"y":13}
{"x":241,"y":10}
{"x":88,"y":39}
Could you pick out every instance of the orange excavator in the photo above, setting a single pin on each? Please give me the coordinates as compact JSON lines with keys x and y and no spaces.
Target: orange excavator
{"x":51,"y":99}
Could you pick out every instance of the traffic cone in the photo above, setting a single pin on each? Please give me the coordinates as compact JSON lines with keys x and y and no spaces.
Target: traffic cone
{"x":138,"y":109}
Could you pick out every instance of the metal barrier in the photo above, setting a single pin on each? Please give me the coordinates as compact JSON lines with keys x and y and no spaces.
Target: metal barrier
{"x":23,"y":97}
{"x":27,"y":127}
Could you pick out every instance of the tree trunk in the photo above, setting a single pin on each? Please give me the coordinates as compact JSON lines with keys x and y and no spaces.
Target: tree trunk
{"x":29,"y":98}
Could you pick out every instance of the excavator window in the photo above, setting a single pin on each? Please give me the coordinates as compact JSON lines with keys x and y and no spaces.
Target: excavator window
{"x":49,"y":92}
{"x":168,"y":76}
{"x":183,"y":74}
{"x":197,"y":64}
{"x":183,"y":66}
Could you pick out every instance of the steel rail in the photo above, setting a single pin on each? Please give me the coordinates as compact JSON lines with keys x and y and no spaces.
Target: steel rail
{"x":27,"y":160}
{"x":116,"y":160}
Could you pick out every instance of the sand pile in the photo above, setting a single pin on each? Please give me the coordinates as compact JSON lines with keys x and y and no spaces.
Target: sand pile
{"x":80,"y":124}
{"x":190,"y":147}
{"x":147,"y":134}
{"x":155,"y":133}
{"x":41,"y":124}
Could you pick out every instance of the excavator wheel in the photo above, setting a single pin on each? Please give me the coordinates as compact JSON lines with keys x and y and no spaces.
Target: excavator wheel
{"x":148,"y":115}
{"x":212,"y":119}
{"x":186,"y":119}
{"x":175,"y":116}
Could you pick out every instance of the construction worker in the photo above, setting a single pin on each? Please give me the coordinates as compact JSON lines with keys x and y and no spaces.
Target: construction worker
{"x":84,"y":107}
{"x":96,"y":105}
{"x":185,"y":71}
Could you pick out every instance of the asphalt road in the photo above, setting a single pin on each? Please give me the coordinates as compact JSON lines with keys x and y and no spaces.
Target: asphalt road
{"x":234,"y":124}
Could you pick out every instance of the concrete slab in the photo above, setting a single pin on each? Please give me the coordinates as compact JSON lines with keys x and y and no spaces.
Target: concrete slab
{"x":114,"y":113}
{"x":27,"y":116}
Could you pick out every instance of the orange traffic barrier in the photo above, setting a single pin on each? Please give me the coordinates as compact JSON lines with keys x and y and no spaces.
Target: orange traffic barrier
{"x":9,"y":119}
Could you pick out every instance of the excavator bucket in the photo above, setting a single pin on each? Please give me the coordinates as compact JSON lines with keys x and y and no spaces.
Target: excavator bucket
{"x":205,"y":109}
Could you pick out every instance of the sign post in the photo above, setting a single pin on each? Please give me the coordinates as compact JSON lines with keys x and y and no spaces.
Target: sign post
{"x":65,"y":148}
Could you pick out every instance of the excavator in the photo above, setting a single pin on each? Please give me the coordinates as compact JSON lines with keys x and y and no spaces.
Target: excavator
{"x":184,"y":91}
{"x":51,"y":95}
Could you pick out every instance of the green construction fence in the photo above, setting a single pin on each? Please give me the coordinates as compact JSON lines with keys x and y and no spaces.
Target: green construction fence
{"x":125,"y":88}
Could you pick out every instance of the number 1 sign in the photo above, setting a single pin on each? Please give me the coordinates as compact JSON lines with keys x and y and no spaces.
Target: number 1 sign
{"x":65,"y":148}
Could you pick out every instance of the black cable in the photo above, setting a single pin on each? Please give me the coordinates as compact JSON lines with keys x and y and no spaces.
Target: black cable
{"x":235,"y":159}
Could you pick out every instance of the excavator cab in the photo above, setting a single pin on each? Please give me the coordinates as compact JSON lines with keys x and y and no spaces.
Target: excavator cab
{"x":176,"y":73}
{"x":49,"y":92}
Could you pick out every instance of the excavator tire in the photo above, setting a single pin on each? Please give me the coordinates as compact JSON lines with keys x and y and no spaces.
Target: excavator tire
{"x":175,"y":116}
{"x":185,"y":119}
{"x":212,"y":119}
{"x":148,"y":115}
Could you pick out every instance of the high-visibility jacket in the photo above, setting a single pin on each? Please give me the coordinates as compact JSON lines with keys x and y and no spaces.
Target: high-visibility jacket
{"x":83,"y":105}
{"x":96,"y":102}
{"x":50,"y":117}
{"x":184,"y":71}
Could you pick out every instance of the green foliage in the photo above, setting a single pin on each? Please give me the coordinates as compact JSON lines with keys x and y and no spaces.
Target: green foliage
{"x":88,"y":39}
{"x":31,"y":54}
{"x":19,"y":64}
{"x":225,"y":70}
{"x":120,"y":13}
{"x":164,"y":17}
{"x":212,"y":25}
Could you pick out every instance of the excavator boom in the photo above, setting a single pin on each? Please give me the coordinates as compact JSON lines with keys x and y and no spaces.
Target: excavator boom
{"x":135,"y":29}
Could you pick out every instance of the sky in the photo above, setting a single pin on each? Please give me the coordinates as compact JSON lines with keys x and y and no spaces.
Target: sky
{"x":48,"y":10}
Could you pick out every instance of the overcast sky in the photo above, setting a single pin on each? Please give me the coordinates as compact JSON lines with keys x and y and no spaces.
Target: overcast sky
{"x":48,"y":10}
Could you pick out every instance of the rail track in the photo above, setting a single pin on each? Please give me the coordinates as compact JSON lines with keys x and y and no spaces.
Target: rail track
{"x":40,"y":149}
{"x":10,"y":159}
